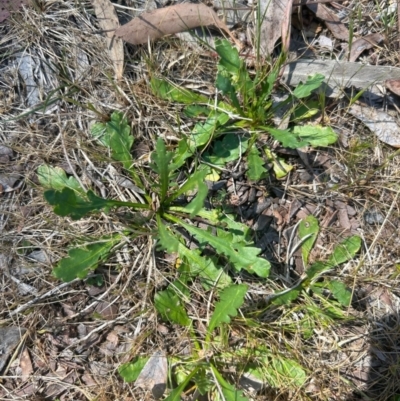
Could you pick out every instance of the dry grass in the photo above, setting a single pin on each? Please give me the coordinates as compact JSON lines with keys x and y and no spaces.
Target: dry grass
{"x":358,"y":354}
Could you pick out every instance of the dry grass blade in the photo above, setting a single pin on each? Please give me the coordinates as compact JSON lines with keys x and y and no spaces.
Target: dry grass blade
{"x":169,"y":20}
{"x":108,"y":21}
{"x":286,"y":26}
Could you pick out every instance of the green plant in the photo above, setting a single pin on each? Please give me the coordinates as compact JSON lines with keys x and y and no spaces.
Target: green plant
{"x":247,"y":108}
{"x":231,"y":240}
{"x":212,"y":353}
{"x":346,"y":250}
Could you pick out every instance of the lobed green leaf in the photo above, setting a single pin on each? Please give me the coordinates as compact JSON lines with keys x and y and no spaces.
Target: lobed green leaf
{"x":231,"y":299}
{"x":83,"y":259}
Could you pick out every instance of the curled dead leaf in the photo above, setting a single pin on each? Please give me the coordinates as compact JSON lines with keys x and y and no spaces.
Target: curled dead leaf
{"x":379,"y":122}
{"x":155,"y":24}
{"x":365,"y":43}
{"x":393,"y":85}
{"x":331,"y":20}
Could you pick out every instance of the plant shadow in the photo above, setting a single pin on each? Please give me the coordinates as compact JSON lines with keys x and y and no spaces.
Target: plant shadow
{"x":376,"y":374}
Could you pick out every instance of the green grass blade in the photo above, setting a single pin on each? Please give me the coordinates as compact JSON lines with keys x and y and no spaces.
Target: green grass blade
{"x":228,"y":390}
{"x":176,"y":393}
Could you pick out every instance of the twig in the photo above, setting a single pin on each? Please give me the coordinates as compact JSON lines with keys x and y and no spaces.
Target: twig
{"x":41,"y":297}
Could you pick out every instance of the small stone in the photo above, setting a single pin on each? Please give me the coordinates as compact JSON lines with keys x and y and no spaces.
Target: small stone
{"x":374,"y":217}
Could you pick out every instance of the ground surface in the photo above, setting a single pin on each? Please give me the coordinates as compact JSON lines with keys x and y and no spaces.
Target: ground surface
{"x":77,"y":335}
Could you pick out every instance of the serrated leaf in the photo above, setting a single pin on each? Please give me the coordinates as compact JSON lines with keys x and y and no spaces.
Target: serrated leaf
{"x":308,"y":226}
{"x":340,"y":292}
{"x":169,"y":306}
{"x":116,"y":134}
{"x":231,"y":299}
{"x":83,"y":259}
{"x":345,"y":250}
{"x":228,"y":390}
{"x":131,"y":370}
{"x":55,"y":178}
{"x":167,"y":241}
{"x":239,"y":254}
{"x":196,"y":180}
{"x":204,"y":267}
{"x":174,"y":93}
{"x":313,"y":82}
{"x":67,"y":203}
{"x":255,"y":164}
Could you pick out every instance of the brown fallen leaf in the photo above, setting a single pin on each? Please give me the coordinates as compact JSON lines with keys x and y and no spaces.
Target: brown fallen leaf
{"x":153,"y":376}
{"x":331,"y":20}
{"x":379,"y":122}
{"x":155,"y":24}
{"x":25,"y":364}
{"x":393,"y":85}
{"x":273,"y":15}
{"x":108,"y":22}
{"x":364,"y":43}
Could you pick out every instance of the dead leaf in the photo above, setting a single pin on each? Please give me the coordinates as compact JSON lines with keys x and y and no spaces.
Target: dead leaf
{"x":153,"y":376}
{"x":155,"y":24}
{"x":108,"y":21}
{"x":331,"y":20}
{"x":365,"y":43}
{"x":393,"y":85}
{"x":8,"y":6}
{"x":379,"y":122}
{"x":273,"y":15}
{"x":25,"y":364}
